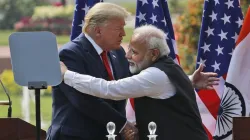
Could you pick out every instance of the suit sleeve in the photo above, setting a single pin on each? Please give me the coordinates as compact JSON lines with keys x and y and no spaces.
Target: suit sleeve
{"x":91,"y":106}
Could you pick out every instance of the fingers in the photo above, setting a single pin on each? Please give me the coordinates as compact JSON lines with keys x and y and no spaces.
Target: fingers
{"x":201,"y":67}
{"x":209,"y":87}
{"x":213,"y":79}
{"x":214,"y":84}
{"x":129,"y":134}
{"x":211,"y":74}
{"x":130,"y":131}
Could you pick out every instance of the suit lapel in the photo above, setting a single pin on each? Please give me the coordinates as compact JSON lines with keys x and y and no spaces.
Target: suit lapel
{"x":115,"y":63}
{"x":94,"y":56}
{"x":97,"y":61}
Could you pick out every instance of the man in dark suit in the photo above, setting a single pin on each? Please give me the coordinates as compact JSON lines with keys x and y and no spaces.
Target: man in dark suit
{"x":95,"y":52}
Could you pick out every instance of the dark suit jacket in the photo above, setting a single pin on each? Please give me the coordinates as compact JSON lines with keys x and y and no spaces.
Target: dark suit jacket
{"x":80,"y":115}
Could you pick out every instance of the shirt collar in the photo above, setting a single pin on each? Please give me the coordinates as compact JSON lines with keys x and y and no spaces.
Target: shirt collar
{"x":97,"y":47}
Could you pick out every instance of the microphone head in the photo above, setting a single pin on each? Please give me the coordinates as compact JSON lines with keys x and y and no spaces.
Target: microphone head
{"x":111,"y":128}
{"x":152,"y":128}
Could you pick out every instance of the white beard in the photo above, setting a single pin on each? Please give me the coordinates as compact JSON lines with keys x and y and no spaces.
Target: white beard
{"x":133,"y":69}
{"x":136,"y":68}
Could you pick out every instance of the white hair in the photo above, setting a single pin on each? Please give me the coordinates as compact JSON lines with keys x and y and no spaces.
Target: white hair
{"x":153,"y":37}
{"x":101,"y":13}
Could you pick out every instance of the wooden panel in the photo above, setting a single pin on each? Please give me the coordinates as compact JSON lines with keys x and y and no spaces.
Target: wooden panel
{"x":241,"y":128}
{"x":17,"y":129}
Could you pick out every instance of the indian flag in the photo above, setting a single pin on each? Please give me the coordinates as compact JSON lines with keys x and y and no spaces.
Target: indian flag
{"x":236,"y":96}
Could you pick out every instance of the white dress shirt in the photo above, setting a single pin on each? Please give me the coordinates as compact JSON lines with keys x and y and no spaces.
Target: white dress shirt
{"x":151,"y":82}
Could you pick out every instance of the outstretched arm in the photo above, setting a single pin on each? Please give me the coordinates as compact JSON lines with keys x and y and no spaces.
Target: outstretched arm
{"x":203,"y":80}
{"x":149,"y":82}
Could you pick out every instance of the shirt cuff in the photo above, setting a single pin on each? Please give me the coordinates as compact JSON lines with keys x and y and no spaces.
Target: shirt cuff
{"x":123,"y":126}
{"x":190,"y":77}
{"x":191,"y":80}
{"x":69,"y":77}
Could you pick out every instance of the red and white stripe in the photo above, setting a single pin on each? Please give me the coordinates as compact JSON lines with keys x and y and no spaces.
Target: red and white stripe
{"x":208,"y":102}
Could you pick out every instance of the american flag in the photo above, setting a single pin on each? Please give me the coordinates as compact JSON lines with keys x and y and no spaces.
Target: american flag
{"x":221,"y":24}
{"x":154,"y":12}
{"x":81,"y":9}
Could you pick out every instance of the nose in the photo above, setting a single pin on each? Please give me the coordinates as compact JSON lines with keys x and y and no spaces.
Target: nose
{"x":128,"y":55}
{"x":123,"y":33}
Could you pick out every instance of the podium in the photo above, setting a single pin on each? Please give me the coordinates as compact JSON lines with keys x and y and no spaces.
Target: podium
{"x":241,"y":128}
{"x":17,"y":129}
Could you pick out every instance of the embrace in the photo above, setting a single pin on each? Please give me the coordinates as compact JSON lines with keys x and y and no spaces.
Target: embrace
{"x":98,"y":77}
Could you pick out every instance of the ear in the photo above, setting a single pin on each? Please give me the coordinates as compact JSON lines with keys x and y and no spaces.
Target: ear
{"x":155,"y":54}
{"x":97,"y":31}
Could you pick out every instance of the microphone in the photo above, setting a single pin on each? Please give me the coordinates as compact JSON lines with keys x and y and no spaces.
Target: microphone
{"x":8,"y":103}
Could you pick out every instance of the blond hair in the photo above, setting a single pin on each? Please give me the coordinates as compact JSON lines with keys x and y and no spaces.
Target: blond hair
{"x":102,"y":12}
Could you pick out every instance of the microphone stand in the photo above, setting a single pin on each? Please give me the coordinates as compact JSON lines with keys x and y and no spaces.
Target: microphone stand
{"x":10,"y":103}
